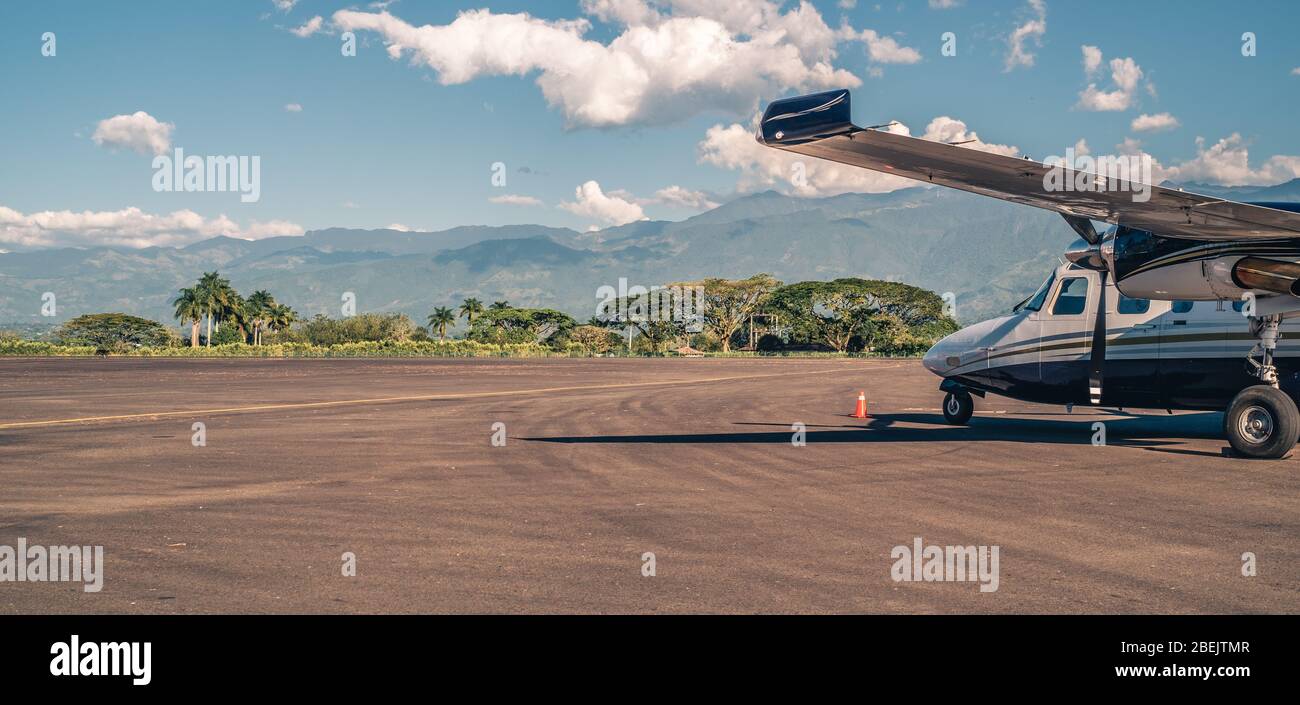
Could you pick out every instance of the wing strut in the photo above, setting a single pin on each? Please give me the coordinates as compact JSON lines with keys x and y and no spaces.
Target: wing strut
{"x":1097,"y":355}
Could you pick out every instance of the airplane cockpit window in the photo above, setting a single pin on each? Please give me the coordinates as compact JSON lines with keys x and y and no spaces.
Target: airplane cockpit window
{"x":1127,"y":305}
{"x":1035,"y":302}
{"x":1073,"y":297}
{"x":1181,"y":306}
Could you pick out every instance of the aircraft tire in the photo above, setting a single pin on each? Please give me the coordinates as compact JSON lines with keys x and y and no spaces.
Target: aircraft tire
{"x":957,"y":408}
{"x":1262,"y":422}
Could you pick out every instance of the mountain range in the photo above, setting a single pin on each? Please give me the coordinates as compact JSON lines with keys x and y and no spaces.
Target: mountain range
{"x":990,"y":254}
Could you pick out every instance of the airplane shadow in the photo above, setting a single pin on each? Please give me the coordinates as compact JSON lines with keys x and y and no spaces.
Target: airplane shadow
{"x":1143,"y":431}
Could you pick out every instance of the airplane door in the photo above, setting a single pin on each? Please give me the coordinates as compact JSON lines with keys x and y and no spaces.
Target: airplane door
{"x":1132,"y":350}
{"x":1066,"y":327}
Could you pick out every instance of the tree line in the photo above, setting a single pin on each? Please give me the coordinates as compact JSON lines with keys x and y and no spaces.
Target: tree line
{"x":759,"y":313}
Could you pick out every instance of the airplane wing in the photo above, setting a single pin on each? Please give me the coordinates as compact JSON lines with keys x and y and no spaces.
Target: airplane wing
{"x":820,"y":125}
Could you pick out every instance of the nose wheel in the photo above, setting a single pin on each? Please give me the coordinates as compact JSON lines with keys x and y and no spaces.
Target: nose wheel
{"x":1262,"y":422}
{"x":957,"y":408}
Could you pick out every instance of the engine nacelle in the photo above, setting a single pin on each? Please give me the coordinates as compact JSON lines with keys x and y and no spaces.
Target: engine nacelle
{"x":1150,"y":266}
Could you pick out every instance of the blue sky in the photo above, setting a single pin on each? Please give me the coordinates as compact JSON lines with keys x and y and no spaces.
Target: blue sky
{"x":380,"y":141}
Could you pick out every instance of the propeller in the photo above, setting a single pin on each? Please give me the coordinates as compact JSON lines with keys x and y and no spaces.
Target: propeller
{"x":1093,"y":260}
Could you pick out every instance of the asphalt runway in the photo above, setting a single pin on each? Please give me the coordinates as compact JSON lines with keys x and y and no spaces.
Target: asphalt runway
{"x":605,"y":461}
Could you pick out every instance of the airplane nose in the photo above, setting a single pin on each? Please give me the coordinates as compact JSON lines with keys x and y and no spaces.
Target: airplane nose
{"x":934,"y":359}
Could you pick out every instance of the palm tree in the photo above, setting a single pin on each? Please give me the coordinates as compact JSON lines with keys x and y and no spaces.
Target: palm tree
{"x":231,"y":304}
{"x":281,"y":317}
{"x":215,"y":294}
{"x":470,"y":308}
{"x":258,"y":309}
{"x":189,"y":308}
{"x":500,"y":305}
{"x":440,"y":319}
{"x":237,"y":311}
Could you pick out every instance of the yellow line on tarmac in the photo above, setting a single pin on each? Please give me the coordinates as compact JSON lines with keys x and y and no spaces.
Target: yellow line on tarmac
{"x":418,"y":397}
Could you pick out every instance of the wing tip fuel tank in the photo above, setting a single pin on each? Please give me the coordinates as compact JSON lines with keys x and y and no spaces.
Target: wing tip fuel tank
{"x":804,"y":118}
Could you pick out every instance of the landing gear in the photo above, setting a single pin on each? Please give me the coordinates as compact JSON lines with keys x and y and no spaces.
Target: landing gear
{"x":1262,"y":422}
{"x":1265,"y":331}
{"x":958,"y":407}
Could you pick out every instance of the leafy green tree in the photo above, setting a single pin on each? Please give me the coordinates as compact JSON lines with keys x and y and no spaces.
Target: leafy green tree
{"x":728,"y":303}
{"x":115,"y":331}
{"x":440,"y":319}
{"x":363,"y":327}
{"x":867,"y":313}
{"x":229,"y":335}
{"x":500,"y":305}
{"x":596,"y":340}
{"x":653,"y":315}
{"x":520,"y":325}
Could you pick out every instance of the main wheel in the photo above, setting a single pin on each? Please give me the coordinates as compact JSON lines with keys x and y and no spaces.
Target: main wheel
{"x":957,"y":408}
{"x":1262,"y":422}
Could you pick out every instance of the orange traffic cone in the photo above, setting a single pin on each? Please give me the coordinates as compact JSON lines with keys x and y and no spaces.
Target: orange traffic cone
{"x":860,"y":412}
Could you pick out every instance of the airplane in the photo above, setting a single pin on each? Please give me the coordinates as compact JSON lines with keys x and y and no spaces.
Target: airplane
{"x":1179,"y":304}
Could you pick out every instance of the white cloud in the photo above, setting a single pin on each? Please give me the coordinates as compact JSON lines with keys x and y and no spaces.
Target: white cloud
{"x":733,"y":147}
{"x":129,"y":227}
{"x":511,"y":199}
{"x":400,"y":227}
{"x":944,"y":4}
{"x":683,"y":197}
{"x":309,"y":28}
{"x":1091,"y":60}
{"x":882,"y":49}
{"x":284,"y":5}
{"x":615,"y":208}
{"x":1154,"y":123}
{"x":1125,"y":73}
{"x":662,"y":66}
{"x":1227,"y":162}
{"x":293,"y":108}
{"x":138,"y":131}
{"x":1295,"y":71}
{"x":1033,"y":30}
{"x":624,"y":12}
{"x":950,"y":130}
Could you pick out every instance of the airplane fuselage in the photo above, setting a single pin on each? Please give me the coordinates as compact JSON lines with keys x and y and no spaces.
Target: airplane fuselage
{"x":1160,"y":354}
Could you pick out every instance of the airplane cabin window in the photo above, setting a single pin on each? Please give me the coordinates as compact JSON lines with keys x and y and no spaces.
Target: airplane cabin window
{"x":1036,"y":303}
{"x":1072,"y":298}
{"x":1127,"y":305}
{"x":1182,"y":306}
